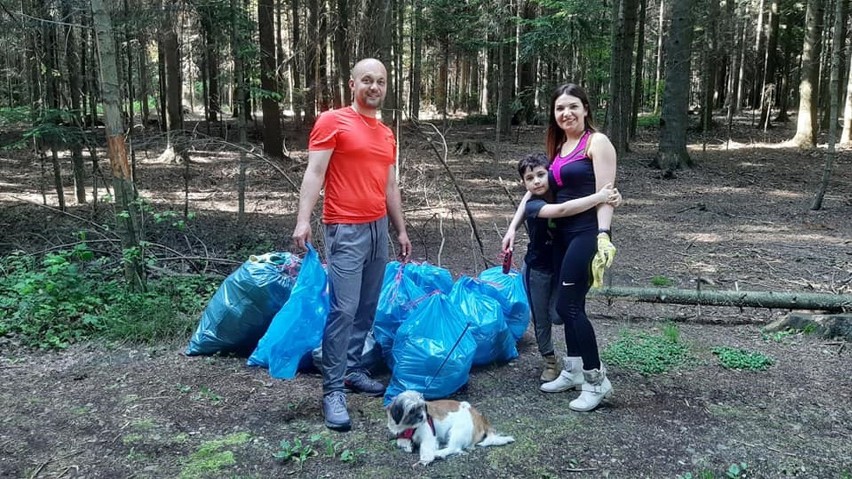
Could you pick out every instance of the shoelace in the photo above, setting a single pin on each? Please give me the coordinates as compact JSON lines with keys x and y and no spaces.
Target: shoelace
{"x":337,"y":400}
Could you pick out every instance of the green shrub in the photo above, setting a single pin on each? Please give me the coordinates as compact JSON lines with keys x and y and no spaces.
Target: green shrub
{"x":70,"y":296}
{"x":733,"y":358}
{"x":648,"y":353}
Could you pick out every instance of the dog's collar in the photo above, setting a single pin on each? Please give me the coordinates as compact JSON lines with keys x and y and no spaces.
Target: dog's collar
{"x":409,"y":433}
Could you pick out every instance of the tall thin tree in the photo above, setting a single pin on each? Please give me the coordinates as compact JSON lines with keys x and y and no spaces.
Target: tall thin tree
{"x":126,"y":212}
{"x":672,"y":153}
{"x":806,"y":124}
{"x":272,"y":142}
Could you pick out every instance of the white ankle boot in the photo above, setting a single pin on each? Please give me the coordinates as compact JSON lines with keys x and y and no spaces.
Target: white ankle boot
{"x":571,"y":376}
{"x":596,"y":388}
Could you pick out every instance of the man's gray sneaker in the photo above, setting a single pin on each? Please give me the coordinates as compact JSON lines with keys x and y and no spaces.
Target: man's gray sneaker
{"x":361,"y":383}
{"x":334,"y":410}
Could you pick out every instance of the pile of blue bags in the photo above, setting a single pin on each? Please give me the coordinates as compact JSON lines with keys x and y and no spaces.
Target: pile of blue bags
{"x":428,"y":331}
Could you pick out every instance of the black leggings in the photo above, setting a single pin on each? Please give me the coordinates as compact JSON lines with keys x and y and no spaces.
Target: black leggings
{"x":574,"y":283}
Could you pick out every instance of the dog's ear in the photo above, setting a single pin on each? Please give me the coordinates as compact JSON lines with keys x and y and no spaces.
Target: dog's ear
{"x":396,"y":411}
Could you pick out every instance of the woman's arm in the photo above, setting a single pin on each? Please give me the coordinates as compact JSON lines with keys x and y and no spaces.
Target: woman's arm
{"x":603,"y":158}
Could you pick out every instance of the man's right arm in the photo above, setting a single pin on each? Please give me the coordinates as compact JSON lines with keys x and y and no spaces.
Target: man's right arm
{"x":309,"y":194}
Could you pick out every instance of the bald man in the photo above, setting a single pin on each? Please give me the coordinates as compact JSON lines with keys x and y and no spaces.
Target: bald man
{"x":353,"y":154}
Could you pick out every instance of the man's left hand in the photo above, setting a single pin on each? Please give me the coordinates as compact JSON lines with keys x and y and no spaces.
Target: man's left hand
{"x":404,"y":246}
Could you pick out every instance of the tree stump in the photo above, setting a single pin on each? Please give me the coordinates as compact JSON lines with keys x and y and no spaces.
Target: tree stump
{"x":824,"y":325}
{"x":469,"y":146}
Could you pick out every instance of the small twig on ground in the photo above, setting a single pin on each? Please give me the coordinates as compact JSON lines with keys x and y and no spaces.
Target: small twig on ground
{"x":782,"y":452}
{"x":40,"y":467}
{"x":37,"y":471}
{"x":580,"y":469}
{"x":57,"y":210}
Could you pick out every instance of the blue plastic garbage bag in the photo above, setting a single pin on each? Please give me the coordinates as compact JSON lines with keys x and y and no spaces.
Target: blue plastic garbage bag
{"x":398,"y":297}
{"x":512,"y":297}
{"x":239,"y":313}
{"x":494,"y":341}
{"x":433,"y":351}
{"x":297,"y":328}
{"x":430,"y":277}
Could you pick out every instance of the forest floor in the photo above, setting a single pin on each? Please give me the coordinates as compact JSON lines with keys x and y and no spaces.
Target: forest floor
{"x":740,"y":219}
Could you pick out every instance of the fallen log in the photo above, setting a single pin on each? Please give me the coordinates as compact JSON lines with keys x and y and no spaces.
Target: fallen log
{"x":750,"y":299}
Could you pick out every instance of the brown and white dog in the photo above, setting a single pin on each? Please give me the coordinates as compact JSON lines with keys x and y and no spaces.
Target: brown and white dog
{"x":429,"y":424}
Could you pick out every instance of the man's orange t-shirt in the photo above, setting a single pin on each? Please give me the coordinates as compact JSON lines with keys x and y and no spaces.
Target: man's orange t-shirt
{"x":357,"y":174}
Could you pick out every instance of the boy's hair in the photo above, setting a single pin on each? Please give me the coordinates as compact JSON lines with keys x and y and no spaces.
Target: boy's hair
{"x":530,"y":162}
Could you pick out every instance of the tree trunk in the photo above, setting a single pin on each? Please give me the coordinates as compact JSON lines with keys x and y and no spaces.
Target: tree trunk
{"x":312,"y":54}
{"x":784,"y":90}
{"x":623,"y":36}
{"x":759,"y":54}
{"x":659,"y":73}
{"x":638,"y":70}
{"x":527,"y":69}
{"x":295,"y":64}
{"x":416,"y":59}
{"x":751,"y":299}
{"x":238,"y":43}
{"x":770,"y":87}
{"x":172,"y":64}
{"x":711,"y":64}
{"x":806,"y":125}
{"x":323,"y":97}
{"x":507,"y":57}
{"x":846,"y":136}
{"x":672,"y":153}
{"x":836,"y":57}
{"x":73,"y":65}
{"x":126,"y":213}
{"x":341,"y":51}
{"x":144,"y":80}
{"x":272,"y":142}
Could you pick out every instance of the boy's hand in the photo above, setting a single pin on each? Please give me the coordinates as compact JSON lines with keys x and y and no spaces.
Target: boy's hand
{"x":605,"y":193}
{"x":508,"y":241}
{"x":615,"y":198}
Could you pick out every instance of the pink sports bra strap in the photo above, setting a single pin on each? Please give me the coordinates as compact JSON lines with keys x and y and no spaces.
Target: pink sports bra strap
{"x":578,"y":153}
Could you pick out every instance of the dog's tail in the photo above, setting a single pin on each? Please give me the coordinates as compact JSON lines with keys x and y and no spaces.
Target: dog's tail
{"x":494,"y":439}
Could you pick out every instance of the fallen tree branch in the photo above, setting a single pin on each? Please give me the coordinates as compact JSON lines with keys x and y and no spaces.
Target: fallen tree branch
{"x":752,"y":299}
{"x":443,"y":159}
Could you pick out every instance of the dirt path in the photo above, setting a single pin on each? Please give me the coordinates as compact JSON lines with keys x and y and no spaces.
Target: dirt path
{"x":92,"y":412}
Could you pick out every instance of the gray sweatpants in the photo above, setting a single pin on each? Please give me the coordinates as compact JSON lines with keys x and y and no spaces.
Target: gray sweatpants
{"x":542,"y":293}
{"x":356,"y":256}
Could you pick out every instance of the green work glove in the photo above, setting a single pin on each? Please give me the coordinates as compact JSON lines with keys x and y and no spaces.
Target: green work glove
{"x":602,"y":260}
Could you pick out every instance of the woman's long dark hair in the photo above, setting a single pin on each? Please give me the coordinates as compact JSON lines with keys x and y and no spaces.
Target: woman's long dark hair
{"x":555,"y":135}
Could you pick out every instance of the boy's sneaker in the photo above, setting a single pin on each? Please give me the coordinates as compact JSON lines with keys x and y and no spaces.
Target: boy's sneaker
{"x":361,"y":383}
{"x":334,"y":411}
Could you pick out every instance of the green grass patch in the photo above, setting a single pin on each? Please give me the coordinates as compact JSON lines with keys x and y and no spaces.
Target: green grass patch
{"x":734,"y":358}
{"x":662,"y":281}
{"x":648,"y":121}
{"x":648,"y":353}
{"x":212,"y":456}
{"x":70,"y":296}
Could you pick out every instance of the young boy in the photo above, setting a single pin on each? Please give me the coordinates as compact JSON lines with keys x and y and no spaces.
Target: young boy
{"x":544,"y":254}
